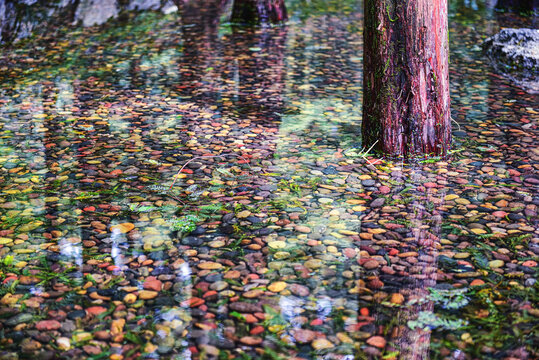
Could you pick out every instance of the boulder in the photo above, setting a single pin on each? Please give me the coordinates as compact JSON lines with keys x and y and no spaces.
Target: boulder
{"x":96,"y":12}
{"x":29,"y":16}
{"x":166,"y":7}
{"x":515,"y":54}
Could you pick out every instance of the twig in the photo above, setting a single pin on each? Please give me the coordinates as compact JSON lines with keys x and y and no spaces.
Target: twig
{"x":455,"y":121}
{"x":366,"y":152}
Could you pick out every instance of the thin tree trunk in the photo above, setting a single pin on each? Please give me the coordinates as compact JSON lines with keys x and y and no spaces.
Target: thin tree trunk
{"x":406,"y":80}
{"x":258,"y":11}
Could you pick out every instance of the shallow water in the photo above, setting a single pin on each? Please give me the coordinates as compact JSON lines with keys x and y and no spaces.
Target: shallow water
{"x":186,"y":189}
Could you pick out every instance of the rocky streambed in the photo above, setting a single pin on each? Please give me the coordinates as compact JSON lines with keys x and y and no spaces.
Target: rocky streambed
{"x":212,"y":201}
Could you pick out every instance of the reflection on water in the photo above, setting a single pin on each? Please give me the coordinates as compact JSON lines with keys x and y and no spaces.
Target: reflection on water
{"x":125,"y":235}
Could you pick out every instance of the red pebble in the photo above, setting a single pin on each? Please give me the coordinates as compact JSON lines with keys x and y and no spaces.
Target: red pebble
{"x":8,"y":279}
{"x":152,"y":283}
{"x":364,"y":311}
{"x":250,"y":319}
{"x":95,"y":310}
{"x":209,"y":293}
{"x":349,"y":252}
{"x":257,"y":330}
{"x":47,"y":325}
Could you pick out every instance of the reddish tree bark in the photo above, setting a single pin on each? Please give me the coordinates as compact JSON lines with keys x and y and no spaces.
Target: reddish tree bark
{"x":258,"y":11}
{"x":406,"y":80}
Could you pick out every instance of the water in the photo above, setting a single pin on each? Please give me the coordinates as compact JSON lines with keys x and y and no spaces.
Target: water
{"x":186,"y":189}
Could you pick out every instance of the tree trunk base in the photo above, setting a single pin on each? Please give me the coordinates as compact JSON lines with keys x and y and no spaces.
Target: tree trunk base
{"x":249,"y":12}
{"x":406,"y":79}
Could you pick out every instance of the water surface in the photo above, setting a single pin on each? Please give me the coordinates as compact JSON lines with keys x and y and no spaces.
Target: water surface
{"x":177,"y":187}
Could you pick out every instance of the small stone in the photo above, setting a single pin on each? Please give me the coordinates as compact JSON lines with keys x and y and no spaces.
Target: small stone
{"x":18,"y":319}
{"x":349,"y":253}
{"x":5,"y":241}
{"x":122,"y":228}
{"x":95,"y":310}
{"x":280,"y":255}
{"x":397,"y":298}
{"x":299,"y":290}
{"x":232,"y":274}
{"x":462,"y":201}
{"x":83,"y":336}
{"x":303,"y":336}
{"x":313,"y":264}
{"x":251,"y":340}
{"x":477,"y":282}
{"x":500,"y":214}
{"x":320,"y":344}
{"x":303,"y":229}
{"x":210,"y":350}
{"x":209,"y":265}
{"x":253,"y":293}
{"x":192,"y":302}
{"x":478,"y":231}
{"x":117,"y":326}
{"x":30,"y":345}
{"x":451,"y":197}
{"x":277,"y":286}
{"x":348,"y":232}
{"x":359,"y":208}
{"x":378,"y":202}
{"x":130,"y":298}
{"x":243,"y":214}
{"x":102,"y":335}
{"x":375,"y":284}
{"x":63,"y":343}
{"x":219,"y":285}
{"x":92,"y":349}
{"x":377,"y":341}
{"x":278,"y":244}
{"x":408,"y":254}
{"x":147,"y":295}
{"x":494,"y":264}
{"x":47,"y":325}
{"x":216,"y":244}
{"x":152,"y":284}
{"x":370,"y":264}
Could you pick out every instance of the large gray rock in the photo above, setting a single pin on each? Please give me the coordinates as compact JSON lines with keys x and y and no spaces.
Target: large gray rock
{"x":20,"y":18}
{"x":165,"y":6}
{"x":144,"y":5}
{"x":96,"y":12}
{"x":515,"y":54}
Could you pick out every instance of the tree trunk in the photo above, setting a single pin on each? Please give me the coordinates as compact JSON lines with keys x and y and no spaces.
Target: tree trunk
{"x":258,"y":11}
{"x":406,"y":80}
